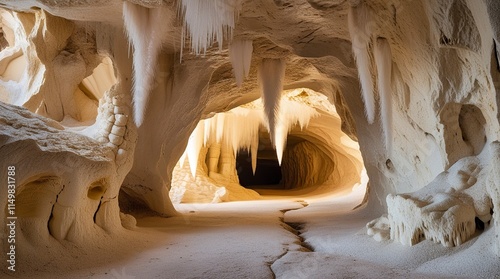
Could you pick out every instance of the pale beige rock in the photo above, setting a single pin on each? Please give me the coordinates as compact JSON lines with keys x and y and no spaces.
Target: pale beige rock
{"x":493,"y":188}
{"x":445,"y":104}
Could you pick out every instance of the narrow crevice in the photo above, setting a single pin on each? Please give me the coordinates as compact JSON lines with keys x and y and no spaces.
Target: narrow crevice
{"x":296,"y":229}
{"x":97,"y":210}
{"x":52,"y":210}
{"x":270,"y":264}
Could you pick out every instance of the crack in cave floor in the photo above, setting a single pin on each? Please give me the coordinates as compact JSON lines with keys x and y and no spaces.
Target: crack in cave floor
{"x":294,"y":228}
{"x":287,"y":238}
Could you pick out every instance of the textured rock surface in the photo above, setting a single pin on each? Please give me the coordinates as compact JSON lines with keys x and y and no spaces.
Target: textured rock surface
{"x":67,"y":184}
{"x":493,"y":188}
{"x":69,"y":168}
{"x":308,"y":139}
{"x":444,"y":84}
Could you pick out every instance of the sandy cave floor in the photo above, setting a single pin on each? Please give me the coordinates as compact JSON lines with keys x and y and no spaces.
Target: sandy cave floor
{"x":258,"y":239}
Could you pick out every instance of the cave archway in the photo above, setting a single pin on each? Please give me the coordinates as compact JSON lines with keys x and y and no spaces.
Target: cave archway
{"x":232,"y":157}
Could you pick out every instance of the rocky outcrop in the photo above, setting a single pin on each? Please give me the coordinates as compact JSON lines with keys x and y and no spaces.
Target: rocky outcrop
{"x":493,"y":188}
{"x":68,"y":169}
{"x":66,"y":184}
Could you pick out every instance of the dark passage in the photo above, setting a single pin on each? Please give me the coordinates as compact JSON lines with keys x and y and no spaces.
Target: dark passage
{"x":267,"y":175}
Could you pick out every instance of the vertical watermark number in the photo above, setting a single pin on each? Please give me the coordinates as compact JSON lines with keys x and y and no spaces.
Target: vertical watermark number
{"x":11,"y":217}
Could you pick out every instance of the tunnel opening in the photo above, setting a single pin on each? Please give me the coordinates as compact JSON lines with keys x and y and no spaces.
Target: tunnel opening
{"x":231,"y":157}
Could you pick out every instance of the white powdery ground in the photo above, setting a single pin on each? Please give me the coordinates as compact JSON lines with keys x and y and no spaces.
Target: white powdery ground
{"x":343,"y":249}
{"x":227,"y":240}
{"x":248,"y":240}
{"x":241,"y":240}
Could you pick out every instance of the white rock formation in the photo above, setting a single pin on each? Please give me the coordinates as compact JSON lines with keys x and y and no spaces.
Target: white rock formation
{"x":219,"y":139}
{"x":383,"y":60}
{"x":272,"y":74}
{"x":361,"y":23}
{"x":147,"y":37}
{"x":240,"y":53}
{"x":445,"y":211}
{"x":68,"y":173}
{"x":67,"y":184}
{"x":208,"y":21}
{"x":433,"y":170}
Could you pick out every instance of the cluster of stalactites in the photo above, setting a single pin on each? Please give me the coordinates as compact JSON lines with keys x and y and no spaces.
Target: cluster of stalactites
{"x":204,"y":23}
{"x":361,"y":23}
{"x":239,"y":129}
{"x":208,"y":21}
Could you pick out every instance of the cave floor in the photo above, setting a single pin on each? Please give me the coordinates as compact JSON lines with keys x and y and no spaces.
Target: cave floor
{"x":279,"y":237}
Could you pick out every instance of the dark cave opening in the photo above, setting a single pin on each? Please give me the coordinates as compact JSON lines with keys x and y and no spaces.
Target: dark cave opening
{"x":267,"y":174}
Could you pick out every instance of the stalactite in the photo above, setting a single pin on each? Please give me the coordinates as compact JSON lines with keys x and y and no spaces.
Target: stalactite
{"x":146,"y":35}
{"x":291,"y":113}
{"x":207,"y":131}
{"x":272,"y":74}
{"x":220,"y":127}
{"x":240,"y":54}
{"x":383,"y":59}
{"x":238,"y":129}
{"x":359,"y":30}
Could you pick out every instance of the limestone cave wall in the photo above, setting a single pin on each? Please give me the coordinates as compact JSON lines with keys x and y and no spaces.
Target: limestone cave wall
{"x":413,"y":82}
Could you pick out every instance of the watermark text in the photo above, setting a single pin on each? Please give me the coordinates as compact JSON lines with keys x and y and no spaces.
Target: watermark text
{"x":11,"y":217}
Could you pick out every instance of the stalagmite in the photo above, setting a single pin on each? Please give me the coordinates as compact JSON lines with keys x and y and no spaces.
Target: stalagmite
{"x":213,"y":157}
{"x":272,"y":74}
{"x":146,"y":35}
{"x":359,"y":30}
{"x":240,"y":54}
{"x":383,"y":59}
